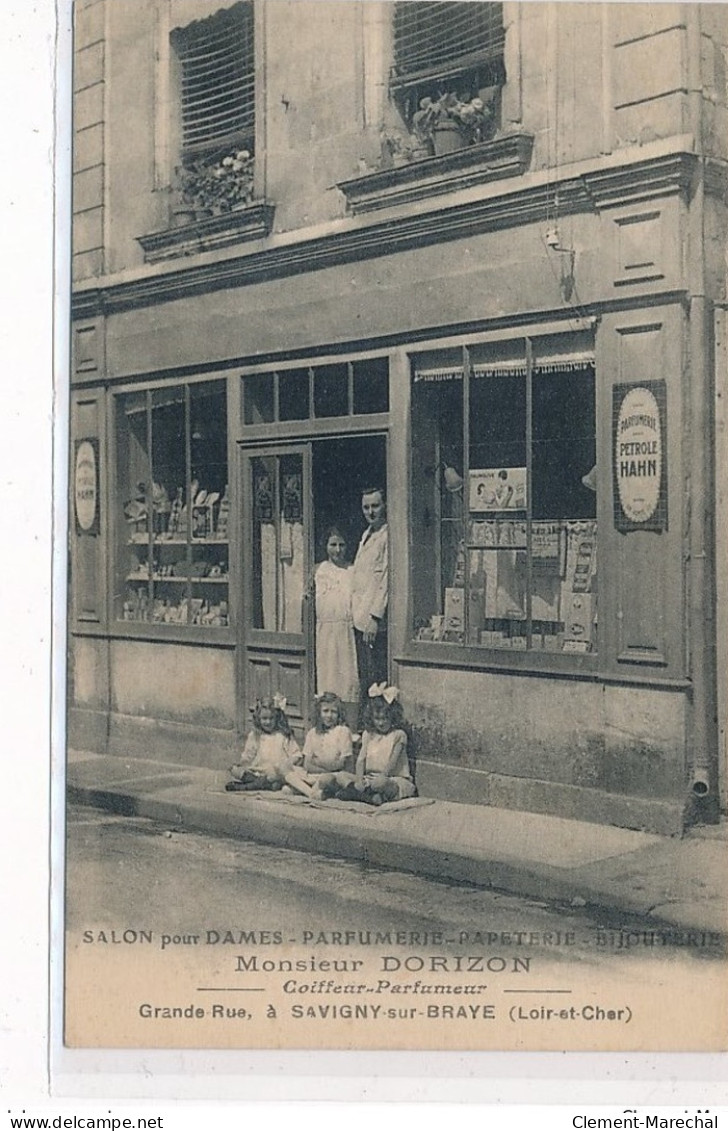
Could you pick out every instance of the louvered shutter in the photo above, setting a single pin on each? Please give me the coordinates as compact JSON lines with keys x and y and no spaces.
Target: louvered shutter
{"x":437,"y":40}
{"x":217,"y":68}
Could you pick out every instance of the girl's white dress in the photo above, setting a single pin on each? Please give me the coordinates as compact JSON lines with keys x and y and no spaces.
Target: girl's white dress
{"x":377,"y":751}
{"x":328,"y":751}
{"x":336,"y":668}
{"x":387,"y":754}
{"x":273,"y":754}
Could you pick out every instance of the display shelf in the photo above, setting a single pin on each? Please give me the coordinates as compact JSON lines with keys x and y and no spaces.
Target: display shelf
{"x":157,"y":541}
{"x":159,"y":578}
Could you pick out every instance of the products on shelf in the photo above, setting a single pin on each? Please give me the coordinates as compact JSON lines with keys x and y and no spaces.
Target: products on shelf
{"x":172,"y":563}
{"x":209,"y":515}
{"x":221,"y":531}
{"x":546,"y":539}
{"x":195,"y":611}
{"x":494,"y":609}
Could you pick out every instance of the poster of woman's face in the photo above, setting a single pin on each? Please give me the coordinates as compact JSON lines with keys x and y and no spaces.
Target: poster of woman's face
{"x":498,"y":489}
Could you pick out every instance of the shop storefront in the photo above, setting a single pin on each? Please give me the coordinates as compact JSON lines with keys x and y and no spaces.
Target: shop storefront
{"x":535,"y":484}
{"x":497,"y":306}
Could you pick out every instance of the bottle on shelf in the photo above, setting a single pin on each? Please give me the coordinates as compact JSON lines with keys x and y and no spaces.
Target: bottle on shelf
{"x":221,"y":531}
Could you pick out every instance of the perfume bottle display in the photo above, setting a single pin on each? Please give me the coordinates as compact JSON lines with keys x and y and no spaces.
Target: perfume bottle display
{"x":174,"y":509}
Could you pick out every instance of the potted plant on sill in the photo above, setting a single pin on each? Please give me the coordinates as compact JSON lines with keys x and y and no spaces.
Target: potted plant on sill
{"x":448,"y":123}
{"x":207,"y":188}
{"x":398,"y":148}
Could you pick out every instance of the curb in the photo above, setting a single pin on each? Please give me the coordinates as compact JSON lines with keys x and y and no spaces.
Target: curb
{"x":333,"y":835}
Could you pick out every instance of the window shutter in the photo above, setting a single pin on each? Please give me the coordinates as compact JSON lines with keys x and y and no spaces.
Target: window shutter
{"x":435,"y":40}
{"x":217,"y":66}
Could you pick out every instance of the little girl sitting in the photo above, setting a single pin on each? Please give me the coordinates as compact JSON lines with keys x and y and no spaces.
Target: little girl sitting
{"x":382,"y":768}
{"x":327,"y":750}
{"x":270,"y":750}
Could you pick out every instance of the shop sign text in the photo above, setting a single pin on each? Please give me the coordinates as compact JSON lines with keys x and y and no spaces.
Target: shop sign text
{"x":85,"y":486}
{"x":640,"y":457}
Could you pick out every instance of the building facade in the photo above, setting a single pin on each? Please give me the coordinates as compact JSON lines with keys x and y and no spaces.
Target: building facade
{"x":474,"y":253}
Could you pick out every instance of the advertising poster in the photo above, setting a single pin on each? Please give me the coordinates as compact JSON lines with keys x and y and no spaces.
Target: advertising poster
{"x":498,"y":489}
{"x":640,"y":456}
{"x":355,"y":758}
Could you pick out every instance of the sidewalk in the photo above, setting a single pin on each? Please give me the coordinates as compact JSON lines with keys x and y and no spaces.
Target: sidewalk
{"x":677,"y":883}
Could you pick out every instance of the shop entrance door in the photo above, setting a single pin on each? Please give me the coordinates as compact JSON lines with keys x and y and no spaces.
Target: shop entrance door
{"x":277,"y":563}
{"x":292,"y":496}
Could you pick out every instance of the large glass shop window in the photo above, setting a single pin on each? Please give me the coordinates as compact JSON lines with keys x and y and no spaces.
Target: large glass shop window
{"x":173,"y":506}
{"x":504,"y":498}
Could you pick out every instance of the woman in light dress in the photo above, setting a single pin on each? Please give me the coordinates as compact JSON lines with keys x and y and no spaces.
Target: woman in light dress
{"x":336,"y":668}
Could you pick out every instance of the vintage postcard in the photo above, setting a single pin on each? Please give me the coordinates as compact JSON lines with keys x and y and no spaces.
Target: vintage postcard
{"x":396,"y":706}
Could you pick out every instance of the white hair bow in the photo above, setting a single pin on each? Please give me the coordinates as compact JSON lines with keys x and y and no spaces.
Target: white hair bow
{"x":388,"y":694}
{"x":280,"y":701}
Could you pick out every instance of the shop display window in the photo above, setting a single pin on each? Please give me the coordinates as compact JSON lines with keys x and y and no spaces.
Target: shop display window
{"x":172,"y":506}
{"x":504,"y":497}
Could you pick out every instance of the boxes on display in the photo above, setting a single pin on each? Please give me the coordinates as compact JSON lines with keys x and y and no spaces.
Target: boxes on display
{"x":203,"y":514}
{"x":476,"y":614}
{"x":223,"y":514}
{"x":454,"y":619}
{"x":546,"y":540}
{"x":578,"y":619}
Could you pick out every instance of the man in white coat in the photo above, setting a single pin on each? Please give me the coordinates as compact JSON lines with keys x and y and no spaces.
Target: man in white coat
{"x":370,"y":594}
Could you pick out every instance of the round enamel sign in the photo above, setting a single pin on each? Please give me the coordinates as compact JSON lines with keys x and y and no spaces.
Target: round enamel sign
{"x":85,"y":485}
{"x":638,"y":454}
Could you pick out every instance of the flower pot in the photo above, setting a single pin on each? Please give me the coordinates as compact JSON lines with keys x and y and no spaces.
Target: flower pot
{"x":447,"y":138}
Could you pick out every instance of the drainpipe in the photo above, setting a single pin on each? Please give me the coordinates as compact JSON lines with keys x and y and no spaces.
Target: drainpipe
{"x":701,"y":577}
{"x":703,"y":802}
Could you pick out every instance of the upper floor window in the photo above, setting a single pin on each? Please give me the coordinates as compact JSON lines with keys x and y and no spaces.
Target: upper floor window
{"x":448,"y":47}
{"x":216,"y":66}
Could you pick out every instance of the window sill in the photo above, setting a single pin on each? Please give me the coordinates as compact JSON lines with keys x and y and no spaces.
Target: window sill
{"x":508,"y":155}
{"x":252,"y":222}
{"x":535,"y":662}
{"x":223,"y":637}
{"x":555,"y":665}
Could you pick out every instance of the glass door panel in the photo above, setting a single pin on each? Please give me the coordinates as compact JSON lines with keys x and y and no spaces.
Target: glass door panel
{"x":278,"y":636}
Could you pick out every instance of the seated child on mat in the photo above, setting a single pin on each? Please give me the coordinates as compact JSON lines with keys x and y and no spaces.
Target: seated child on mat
{"x":270,"y":750}
{"x":382,"y":769}
{"x":328,"y":745}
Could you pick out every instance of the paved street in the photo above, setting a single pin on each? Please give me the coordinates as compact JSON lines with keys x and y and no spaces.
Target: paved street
{"x":124,"y":870}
